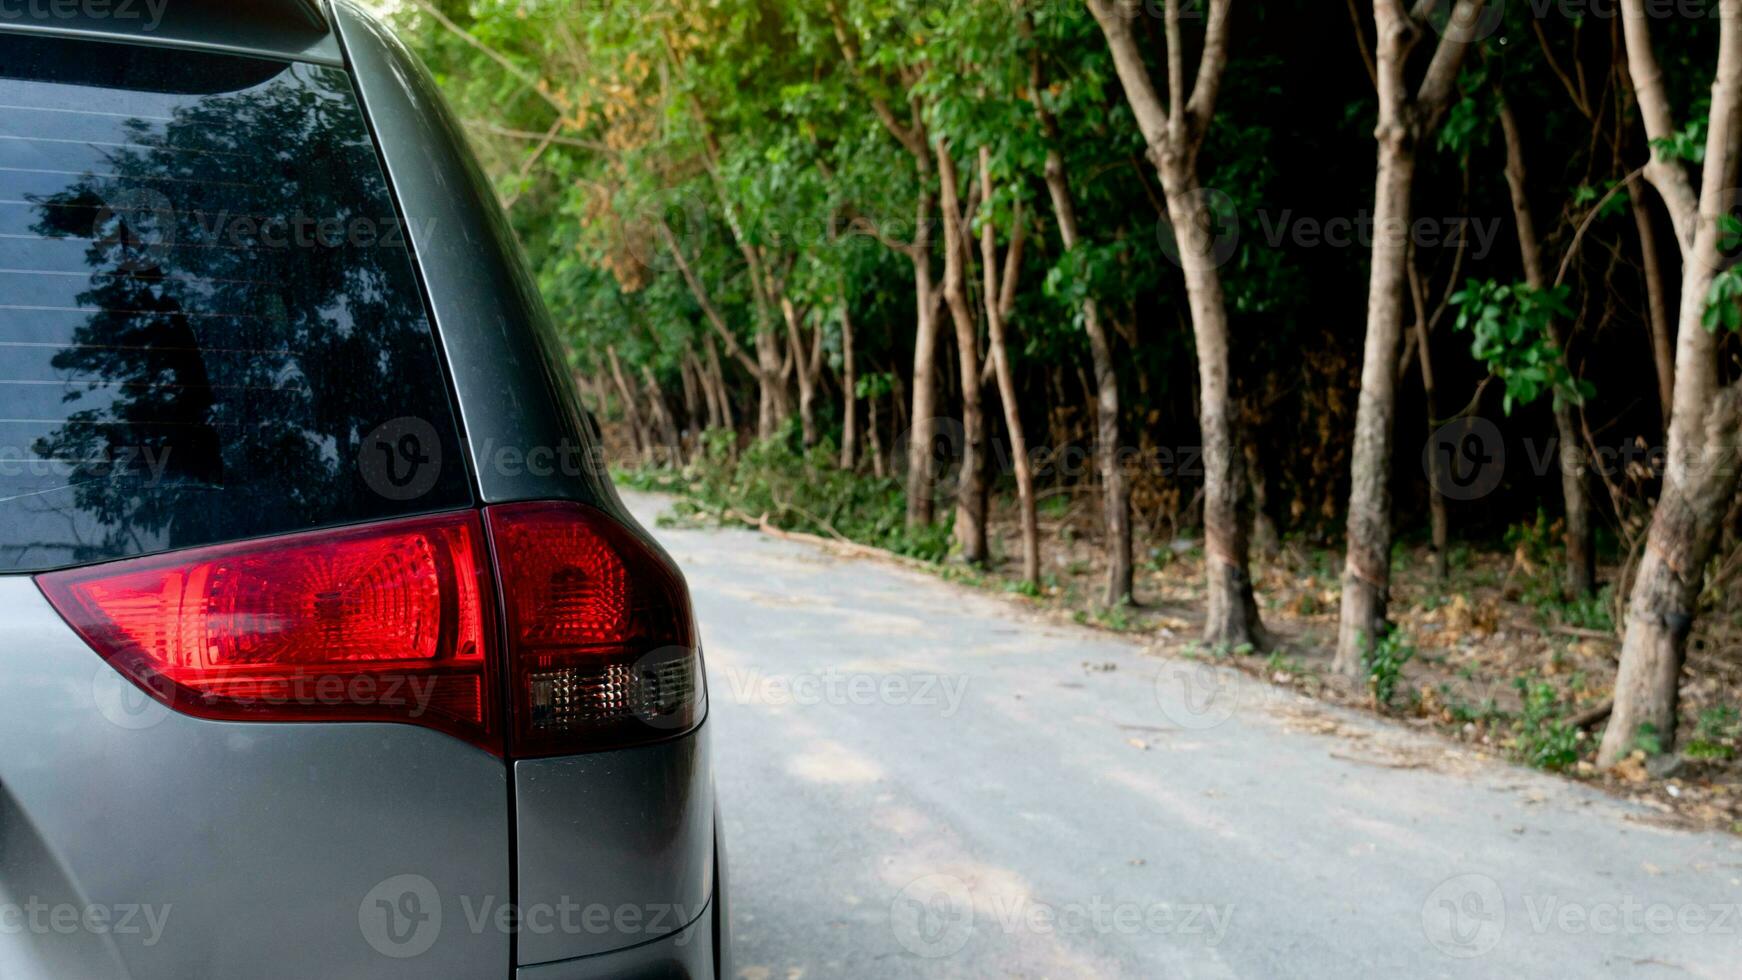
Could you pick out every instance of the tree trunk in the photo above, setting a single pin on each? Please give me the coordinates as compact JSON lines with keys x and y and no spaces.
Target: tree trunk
{"x":662,"y":419}
{"x":1581,"y":543}
{"x":971,"y":493}
{"x":872,"y":427}
{"x":997,"y":285}
{"x":772,"y":405}
{"x":717,"y":376}
{"x":1265,"y":539}
{"x":1666,"y":588}
{"x":709,"y":399}
{"x":1662,"y":342}
{"x":1232,"y":619}
{"x":920,"y":448}
{"x":631,"y":411}
{"x":1580,"y":570}
{"x":849,"y":390}
{"x":807,"y":370}
{"x":761,"y":367}
{"x":1403,"y":121}
{"x":692,"y":397}
{"x":1438,"y":523}
{"x":1367,"y":565}
{"x":1173,"y":135}
{"x":1701,"y":473}
{"x":913,"y":137}
{"x":1115,"y":491}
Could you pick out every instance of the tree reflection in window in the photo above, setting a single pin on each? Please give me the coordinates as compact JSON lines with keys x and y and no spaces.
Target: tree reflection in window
{"x":252,"y":315}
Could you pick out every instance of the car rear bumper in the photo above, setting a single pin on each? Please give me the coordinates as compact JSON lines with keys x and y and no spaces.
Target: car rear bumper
{"x":692,"y":953}
{"x":614,"y":849}
{"x":266,"y":850}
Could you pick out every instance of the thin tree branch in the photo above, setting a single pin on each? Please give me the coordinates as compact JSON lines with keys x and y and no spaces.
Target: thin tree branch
{"x":1211,"y":66}
{"x":532,"y":81}
{"x":1590,"y":216}
{"x":1361,"y":43}
{"x":1442,"y":72}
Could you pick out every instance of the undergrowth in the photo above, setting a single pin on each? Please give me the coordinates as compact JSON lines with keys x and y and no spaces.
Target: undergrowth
{"x":795,"y":491}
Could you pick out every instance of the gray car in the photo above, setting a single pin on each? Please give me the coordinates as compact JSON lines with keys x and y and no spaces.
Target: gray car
{"x":329,"y":649}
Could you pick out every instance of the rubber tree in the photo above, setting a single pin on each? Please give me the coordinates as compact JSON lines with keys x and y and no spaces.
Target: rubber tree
{"x":1580,"y":570}
{"x":1407,"y":113}
{"x":1701,"y":472}
{"x":1115,"y":489}
{"x":1174,"y":132}
{"x":1000,"y":277}
{"x":914,"y":137}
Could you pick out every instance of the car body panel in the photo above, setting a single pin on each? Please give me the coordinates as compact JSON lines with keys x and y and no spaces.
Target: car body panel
{"x":686,"y":955}
{"x":257,"y":844}
{"x":523,"y":419}
{"x":626,"y":835}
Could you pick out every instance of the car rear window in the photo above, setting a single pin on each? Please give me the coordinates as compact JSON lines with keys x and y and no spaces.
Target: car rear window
{"x":209,"y":324}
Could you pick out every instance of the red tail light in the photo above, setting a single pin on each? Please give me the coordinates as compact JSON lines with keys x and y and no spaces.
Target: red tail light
{"x":396,"y":622}
{"x":389,"y":622}
{"x":601,"y":649}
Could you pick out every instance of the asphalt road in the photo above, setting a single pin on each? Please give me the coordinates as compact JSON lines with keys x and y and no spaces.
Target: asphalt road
{"x":920,"y":780}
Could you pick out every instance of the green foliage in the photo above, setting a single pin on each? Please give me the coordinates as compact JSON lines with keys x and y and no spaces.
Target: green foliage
{"x":799,"y":492}
{"x":1542,"y":735}
{"x":1512,"y":328}
{"x":1116,"y":617}
{"x":877,"y":384}
{"x":747,"y":138}
{"x":1717,"y":734}
{"x":1539,"y":543}
{"x":1687,"y":145}
{"x":1463,"y":712}
{"x":1279,"y":662}
{"x":1383,"y":664}
{"x":1468,"y":119}
{"x":1595,"y":611}
{"x":1647,"y":739}
{"x":1724,"y":297}
{"x":1614,"y":204}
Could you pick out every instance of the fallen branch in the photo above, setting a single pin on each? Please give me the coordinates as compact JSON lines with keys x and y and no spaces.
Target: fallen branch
{"x":1593,"y":715}
{"x":1562,"y":629}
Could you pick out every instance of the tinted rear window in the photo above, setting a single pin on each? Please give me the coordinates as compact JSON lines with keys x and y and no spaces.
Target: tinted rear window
{"x":209,"y":324}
